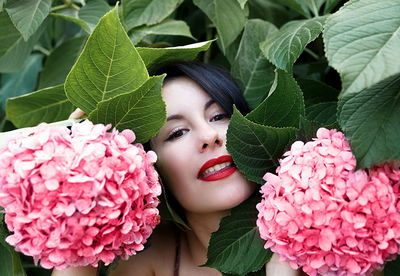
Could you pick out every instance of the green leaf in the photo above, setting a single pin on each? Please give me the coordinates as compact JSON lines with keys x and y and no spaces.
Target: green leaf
{"x":227,"y":16}
{"x":27,"y":15}
{"x":47,"y":105}
{"x":1,"y":4}
{"x":307,"y":130}
{"x":315,"y":91}
{"x":329,"y":5}
{"x":250,"y":69}
{"x":22,"y":82}
{"x":167,"y":27}
{"x":392,"y":268}
{"x":13,"y":49}
{"x":362,"y":42}
{"x":314,"y":5}
{"x":93,"y":11}
{"x":60,"y":61}
{"x":269,"y":10}
{"x":297,"y":5}
{"x":284,"y":47}
{"x":242,"y":3}
{"x":147,"y":12}
{"x":283,"y":107}
{"x":108,"y":66}
{"x":237,"y":247}
{"x":325,"y":112}
{"x":73,"y":19}
{"x":370,"y":121}
{"x":256,"y":148}
{"x":157,"y":57}
{"x":142,"y":111}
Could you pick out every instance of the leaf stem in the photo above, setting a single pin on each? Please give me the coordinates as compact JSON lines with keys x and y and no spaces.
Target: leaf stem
{"x":311,"y":53}
{"x":315,"y":10}
{"x":42,"y":50}
{"x":209,"y":34}
{"x":59,"y":7}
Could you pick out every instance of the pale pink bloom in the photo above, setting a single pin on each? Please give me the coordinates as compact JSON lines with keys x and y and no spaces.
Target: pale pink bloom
{"x":319,"y":214}
{"x":74,"y":198}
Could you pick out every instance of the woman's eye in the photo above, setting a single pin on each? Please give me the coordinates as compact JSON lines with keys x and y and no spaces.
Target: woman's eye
{"x":176,"y":134}
{"x":219,"y":117}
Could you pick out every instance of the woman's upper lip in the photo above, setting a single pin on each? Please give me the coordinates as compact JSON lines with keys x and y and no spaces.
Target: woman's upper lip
{"x":213,"y":162}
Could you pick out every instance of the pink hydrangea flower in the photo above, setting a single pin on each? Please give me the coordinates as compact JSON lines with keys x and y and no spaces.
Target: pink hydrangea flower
{"x":74,"y":198}
{"x":319,"y":214}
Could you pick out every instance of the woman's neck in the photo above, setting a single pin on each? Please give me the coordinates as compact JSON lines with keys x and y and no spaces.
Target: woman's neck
{"x":202,"y":225}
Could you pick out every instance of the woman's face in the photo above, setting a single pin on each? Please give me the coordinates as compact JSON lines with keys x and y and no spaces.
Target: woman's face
{"x":191,"y":150}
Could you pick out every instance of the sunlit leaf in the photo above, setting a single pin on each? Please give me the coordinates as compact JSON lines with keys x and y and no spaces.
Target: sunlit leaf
{"x":256,"y":148}
{"x":108,"y":66}
{"x":227,"y":16}
{"x":251,"y":70}
{"x":370,"y":121}
{"x":236,"y":247}
{"x":362,"y":42}
{"x":27,"y":15}
{"x":47,"y":105}
{"x":142,"y":110}
{"x":284,"y":47}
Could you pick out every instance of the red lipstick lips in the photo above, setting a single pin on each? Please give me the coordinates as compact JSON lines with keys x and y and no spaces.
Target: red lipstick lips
{"x":217,"y":168}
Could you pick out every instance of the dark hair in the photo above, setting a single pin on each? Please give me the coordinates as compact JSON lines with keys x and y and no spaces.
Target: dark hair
{"x":215,"y":81}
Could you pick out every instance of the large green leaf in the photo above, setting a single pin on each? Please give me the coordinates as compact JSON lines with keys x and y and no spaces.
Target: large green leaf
{"x":167,"y":27}
{"x":236,"y":247}
{"x":256,"y":148}
{"x":315,"y":91}
{"x":142,"y":111}
{"x":362,"y":42}
{"x":156,"y":57}
{"x":325,"y":112}
{"x":93,"y":11}
{"x":370,"y":121}
{"x":27,"y":15}
{"x":22,"y":82}
{"x":282,"y":108}
{"x":108,"y":66}
{"x":284,"y":47}
{"x":227,"y":16}
{"x":251,"y":70}
{"x":85,"y":26}
{"x":13,"y":49}
{"x":47,"y":105}
{"x":147,"y":12}
{"x":60,"y":61}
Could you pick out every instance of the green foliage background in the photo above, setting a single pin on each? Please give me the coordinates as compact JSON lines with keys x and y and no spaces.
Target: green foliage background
{"x":301,"y":64}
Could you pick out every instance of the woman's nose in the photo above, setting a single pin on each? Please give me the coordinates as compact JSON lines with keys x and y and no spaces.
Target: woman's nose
{"x":209,"y":138}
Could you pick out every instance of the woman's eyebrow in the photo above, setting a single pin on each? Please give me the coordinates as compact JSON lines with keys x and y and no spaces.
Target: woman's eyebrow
{"x":174,"y":117}
{"x":208,"y":104}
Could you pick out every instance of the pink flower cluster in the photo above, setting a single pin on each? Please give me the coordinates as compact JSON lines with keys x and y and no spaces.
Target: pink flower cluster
{"x":319,"y":214}
{"x":74,"y":198}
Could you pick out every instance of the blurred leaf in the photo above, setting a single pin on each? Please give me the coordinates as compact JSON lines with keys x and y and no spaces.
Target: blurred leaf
{"x":330,"y":5}
{"x":392,"y":268}
{"x":314,"y":5}
{"x":370,"y":121}
{"x":242,"y":3}
{"x":237,"y":247}
{"x":260,"y":272}
{"x":167,"y":27}
{"x":282,"y":108}
{"x":268,"y":10}
{"x":60,"y":61}
{"x":27,"y":15}
{"x":325,"y":112}
{"x":284,"y":47}
{"x":157,"y":57}
{"x":93,"y":11}
{"x":13,"y":49}
{"x":297,"y":5}
{"x":22,"y":82}
{"x":73,"y":19}
{"x":256,"y":148}
{"x":363,"y":51}
{"x":142,"y":110}
{"x":227,"y":16}
{"x":1,"y":4}
{"x":147,"y":12}
{"x":108,"y":66}
{"x":251,"y":70}
{"x":315,"y":91}
{"x":46,"y":105}
{"x":307,"y":130}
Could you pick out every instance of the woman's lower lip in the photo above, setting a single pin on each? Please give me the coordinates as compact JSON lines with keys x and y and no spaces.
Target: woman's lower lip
{"x":220,"y":174}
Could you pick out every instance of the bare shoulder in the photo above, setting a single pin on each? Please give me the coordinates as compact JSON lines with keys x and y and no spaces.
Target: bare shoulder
{"x":156,"y":259}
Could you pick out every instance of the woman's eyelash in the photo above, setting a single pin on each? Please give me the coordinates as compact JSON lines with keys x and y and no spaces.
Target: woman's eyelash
{"x":175,"y":134}
{"x":219,"y":117}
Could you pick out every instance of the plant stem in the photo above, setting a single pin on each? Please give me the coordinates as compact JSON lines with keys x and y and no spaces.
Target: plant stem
{"x":59,"y":7}
{"x":209,"y":34}
{"x":311,"y":53}
{"x":315,"y":10}
{"x":42,"y":50}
